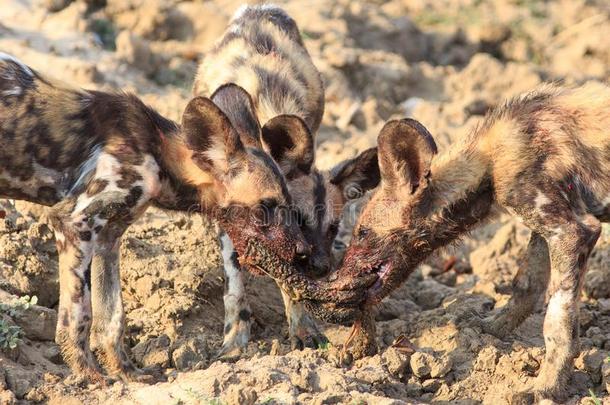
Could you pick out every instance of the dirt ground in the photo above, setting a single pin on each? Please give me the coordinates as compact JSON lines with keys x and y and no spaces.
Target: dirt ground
{"x":443,"y":62}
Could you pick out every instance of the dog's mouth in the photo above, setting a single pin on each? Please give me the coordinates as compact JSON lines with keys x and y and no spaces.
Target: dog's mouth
{"x":376,"y":292}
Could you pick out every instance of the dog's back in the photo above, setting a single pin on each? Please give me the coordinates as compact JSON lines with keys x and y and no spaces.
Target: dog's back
{"x":262,"y":51}
{"x":40,"y":134}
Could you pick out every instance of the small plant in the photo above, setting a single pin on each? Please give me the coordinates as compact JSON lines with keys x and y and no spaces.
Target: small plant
{"x":9,"y":335}
{"x":215,"y":401}
{"x":594,"y":399}
{"x":16,"y":307}
{"x":27,"y":301}
{"x":324,"y":346}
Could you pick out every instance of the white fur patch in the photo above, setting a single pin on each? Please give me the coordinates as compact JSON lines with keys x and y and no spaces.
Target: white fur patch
{"x":15,"y":91}
{"x":104,"y":166}
{"x":541,"y":200}
{"x":559,"y":307}
{"x":149,"y":171}
{"x":23,"y":66}
{"x":87,"y":167}
{"x":235,"y":286}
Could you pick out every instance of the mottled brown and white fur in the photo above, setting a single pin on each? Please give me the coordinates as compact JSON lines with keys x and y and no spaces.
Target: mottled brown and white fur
{"x":543,"y":157}
{"x":99,"y":160}
{"x":262,"y":51}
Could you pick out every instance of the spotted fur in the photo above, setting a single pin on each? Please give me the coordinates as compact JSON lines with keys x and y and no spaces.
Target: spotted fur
{"x":262,"y":52}
{"x":543,"y":157}
{"x":99,"y":160}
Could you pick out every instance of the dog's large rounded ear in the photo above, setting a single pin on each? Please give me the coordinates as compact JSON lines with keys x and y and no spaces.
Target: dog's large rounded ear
{"x":238,"y":106}
{"x":406,"y":149}
{"x":358,"y":175}
{"x":289,"y":141}
{"x":208,"y":133}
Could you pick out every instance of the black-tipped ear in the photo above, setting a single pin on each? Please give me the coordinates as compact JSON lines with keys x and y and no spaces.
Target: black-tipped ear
{"x":209,"y":133}
{"x":238,"y":106}
{"x":358,"y":175}
{"x":289,"y":142}
{"x":406,"y":149}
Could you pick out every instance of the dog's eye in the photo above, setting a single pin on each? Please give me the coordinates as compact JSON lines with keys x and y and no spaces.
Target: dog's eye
{"x":363,"y":232}
{"x":268,"y":204}
{"x":265,"y":210}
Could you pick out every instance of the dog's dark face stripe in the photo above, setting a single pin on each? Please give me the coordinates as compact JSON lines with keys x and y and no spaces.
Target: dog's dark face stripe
{"x":319,"y":196}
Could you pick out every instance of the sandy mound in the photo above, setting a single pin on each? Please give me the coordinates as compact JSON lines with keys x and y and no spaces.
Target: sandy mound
{"x":445,"y":63}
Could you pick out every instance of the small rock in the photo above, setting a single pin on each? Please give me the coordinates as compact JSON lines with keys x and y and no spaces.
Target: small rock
{"x":136,"y":51}
{"x":487,"y":359}
{"x":429,"y":365}
{"x":413,"y":389}
{"x":53,"y":354}
{"x":595,"y":334}
{"x":19,"y":381}
{"x":605,"y":371}
{"x":431,"y":385}
{"x":430,"y":293}
{"x":420,"y":364}
{"x":396,"y":361}
{"x":591,"y":362}
{"x":237,"y":395}
{"x":441,"y":366}
{"x":448,"y":278}
{"x":7,"y":397}
{"x":37,"y":322}
{"x":55,"y":5}
{"x":153,"y":352}
{"x":477,"y":107}
{"x":604,"y":305}
{"x":193,"y":352}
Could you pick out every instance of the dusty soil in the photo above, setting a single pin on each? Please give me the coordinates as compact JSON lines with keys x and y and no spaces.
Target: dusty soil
{"x":443,"y":62}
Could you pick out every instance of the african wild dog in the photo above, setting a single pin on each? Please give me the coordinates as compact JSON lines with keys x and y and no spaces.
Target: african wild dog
{"x":262,"y":51}
{"x":543,"y":157}
{"x":100,"y":160}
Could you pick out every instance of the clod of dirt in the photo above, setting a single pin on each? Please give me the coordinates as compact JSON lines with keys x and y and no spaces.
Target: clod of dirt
{"x":136,"y":51}
{"x":153,"y":352}
{"x":28,"y":258}
{"x":236,"y":395}
{"x":396,"y":361}
{"x":591,"y":361}
{"x":426,"y":365}
{"x":430,"y":294}
{"x":56,"y":5}
{"x":487,"y":359}
{"x":192,"y":354}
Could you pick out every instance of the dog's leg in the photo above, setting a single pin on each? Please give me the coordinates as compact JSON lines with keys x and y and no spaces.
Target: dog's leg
{"x":570,"y":236}
{"x":75,"y":240}
{"x":238,"y":316}
{"x":529,"y":286}
{"x":108,"y":315}
{"x":87,"y":224}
